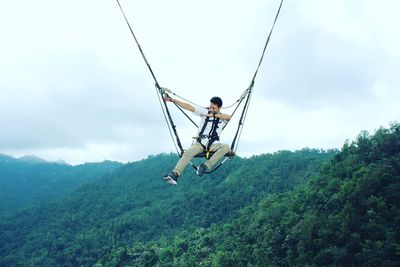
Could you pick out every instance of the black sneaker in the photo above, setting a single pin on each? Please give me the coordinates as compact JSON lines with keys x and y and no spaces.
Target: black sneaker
{"x":171,"y":178}
{"x":201,"y":169}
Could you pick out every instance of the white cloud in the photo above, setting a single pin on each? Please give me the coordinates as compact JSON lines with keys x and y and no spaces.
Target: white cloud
{"x":74,"y":86}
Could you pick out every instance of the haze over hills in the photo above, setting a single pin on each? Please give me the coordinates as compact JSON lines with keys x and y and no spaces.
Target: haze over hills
{"x":32,"y":159}
{"x":29,"y":180}
{"x":29,"y":159}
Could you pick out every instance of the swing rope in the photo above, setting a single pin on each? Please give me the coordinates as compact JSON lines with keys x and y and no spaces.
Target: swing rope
{"x":164,"y":92}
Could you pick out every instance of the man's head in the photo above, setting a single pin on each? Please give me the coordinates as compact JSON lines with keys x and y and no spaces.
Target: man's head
{"x":215,"y":104}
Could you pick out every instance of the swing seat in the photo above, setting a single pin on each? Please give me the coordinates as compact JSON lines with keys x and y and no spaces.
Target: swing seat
{"x":203,"y":154}
{"x":228,"y":155}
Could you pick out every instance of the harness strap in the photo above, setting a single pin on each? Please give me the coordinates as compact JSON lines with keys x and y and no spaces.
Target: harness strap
{"x":203,"y":127}
{"x":212,"y":135}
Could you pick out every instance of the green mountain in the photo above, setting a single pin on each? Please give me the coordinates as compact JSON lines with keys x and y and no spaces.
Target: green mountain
{"x":348,"y":215}
{"x":30,"y":180}
{"x":133,"y":205}
{"x":303,"y":208}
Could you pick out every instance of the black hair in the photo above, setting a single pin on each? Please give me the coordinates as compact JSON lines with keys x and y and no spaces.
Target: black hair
{"x":217,"y":101}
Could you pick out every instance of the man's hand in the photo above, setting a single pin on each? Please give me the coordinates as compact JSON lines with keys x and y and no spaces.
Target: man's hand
{"x":211,"y":115}
{"x":169,"y":99}
{"x":221,"y":116}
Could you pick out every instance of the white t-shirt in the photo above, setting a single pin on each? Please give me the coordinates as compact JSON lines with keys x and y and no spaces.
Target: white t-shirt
{"x":202,"y":112}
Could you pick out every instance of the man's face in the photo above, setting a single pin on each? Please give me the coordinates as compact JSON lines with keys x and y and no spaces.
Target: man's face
{"x":214,"y":108}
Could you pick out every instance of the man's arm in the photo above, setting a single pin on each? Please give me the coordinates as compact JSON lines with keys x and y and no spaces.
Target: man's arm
{"x":180,"y":103}
{"x":221,"y":116}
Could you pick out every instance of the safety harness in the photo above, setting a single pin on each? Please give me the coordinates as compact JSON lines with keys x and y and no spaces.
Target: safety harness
{"x":211,"y":136}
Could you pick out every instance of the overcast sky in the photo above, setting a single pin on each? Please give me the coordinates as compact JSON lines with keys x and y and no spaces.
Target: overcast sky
{"x":73,"y":85}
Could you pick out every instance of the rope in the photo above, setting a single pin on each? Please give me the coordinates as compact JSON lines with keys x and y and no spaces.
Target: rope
{"x":187,"y":116}
{"x":243,"y":95}
{"x":137,"y":43}
{"x":177,"y":147}
{"x":184,"y":99}
{"x":161,"y":92}
{"x":239,"y":130}
{"x":266,"y":43}
{"x":250,"y":89}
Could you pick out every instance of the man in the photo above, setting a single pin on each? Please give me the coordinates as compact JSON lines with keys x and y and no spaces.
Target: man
{"x":210,"y":128}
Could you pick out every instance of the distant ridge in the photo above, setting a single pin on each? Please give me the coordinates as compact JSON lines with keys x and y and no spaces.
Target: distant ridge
{"x":6,"y":158}
{"x":30,"y":180}
{"x":32,"y":159}
{"x":62,"y":162}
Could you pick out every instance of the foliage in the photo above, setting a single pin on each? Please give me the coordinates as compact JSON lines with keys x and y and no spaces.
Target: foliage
{"x":348,"y":215}
{"x":303,"y":208}
{"x":102,"y":220}
{"x":28,"y":183}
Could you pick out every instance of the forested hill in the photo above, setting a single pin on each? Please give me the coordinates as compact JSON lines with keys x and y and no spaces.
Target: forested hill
{"x":30,"y":180}
{"x":135,"y":205}
{"x":349,"y":215}
{"x":304,"y":208}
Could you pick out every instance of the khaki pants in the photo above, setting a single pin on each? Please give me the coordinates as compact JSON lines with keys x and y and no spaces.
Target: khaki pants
{"x":219,"y":149}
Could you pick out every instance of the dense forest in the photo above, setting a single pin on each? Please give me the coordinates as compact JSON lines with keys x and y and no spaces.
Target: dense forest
{"x":302,"y":208}
{"x":348,"y":215}
{"x":29,"y":180}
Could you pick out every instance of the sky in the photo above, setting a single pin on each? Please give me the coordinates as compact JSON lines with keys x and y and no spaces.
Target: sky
{"x":73,"y":85}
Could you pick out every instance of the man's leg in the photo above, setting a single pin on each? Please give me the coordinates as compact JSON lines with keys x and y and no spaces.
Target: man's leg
{"x":187,"y":156}
{"x":220,"y":151}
